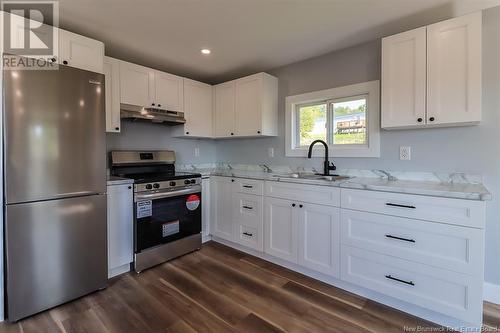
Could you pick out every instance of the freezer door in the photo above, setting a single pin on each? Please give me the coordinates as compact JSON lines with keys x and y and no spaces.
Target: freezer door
{"x":54,"y":134}
{"x":56,"y":251}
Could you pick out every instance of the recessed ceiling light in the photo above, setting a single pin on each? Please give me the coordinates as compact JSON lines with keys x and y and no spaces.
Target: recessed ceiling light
{"x":205,"y":51}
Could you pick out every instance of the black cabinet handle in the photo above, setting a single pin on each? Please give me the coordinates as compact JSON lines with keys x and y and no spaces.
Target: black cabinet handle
{"x":159,"y":105}
{"x":53,"y":59}
{"x":232,"y":180}
{"x":130,"y":187}
{"x":401,"y":238}
{"x":399,"y":280}
{"x":152,"y":104}
{"x":400,"y":206}
{"x":293,"y":205}
{"x":247,"y":234}
{"x":187,"y":133}
{"x":247,"y":186}
{"x":419,"y":120}
{"x":247,"y":207}
{"x":432,"y":119}
{"x":117,"y":128}
{"x":300,"y":206}
{"x":258,"y":132}
{"x":65,"y":62}
{"x":232,"y":133}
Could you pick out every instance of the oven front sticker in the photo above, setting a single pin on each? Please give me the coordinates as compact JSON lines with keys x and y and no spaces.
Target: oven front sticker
{"x":144,"y":209}
{"x":193,"y":202}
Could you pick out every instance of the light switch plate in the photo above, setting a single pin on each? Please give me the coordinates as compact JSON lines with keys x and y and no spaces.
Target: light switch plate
{"x":405,"y":153}
{"x":197,"y":152}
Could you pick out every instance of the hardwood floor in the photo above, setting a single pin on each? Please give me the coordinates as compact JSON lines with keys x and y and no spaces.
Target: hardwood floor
{"x":218,"y":289}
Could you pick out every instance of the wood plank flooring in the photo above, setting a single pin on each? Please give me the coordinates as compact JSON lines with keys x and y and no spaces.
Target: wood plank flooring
{"x":219,"y":289}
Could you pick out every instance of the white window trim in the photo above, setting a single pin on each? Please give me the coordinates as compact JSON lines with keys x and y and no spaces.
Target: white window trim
{"x":372,"y":149}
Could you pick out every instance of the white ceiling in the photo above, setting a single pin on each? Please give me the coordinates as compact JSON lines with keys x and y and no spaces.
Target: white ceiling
{"x":245,"y":36}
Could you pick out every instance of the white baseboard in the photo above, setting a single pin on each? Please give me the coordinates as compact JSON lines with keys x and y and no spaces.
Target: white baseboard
{"x":491,"y":292}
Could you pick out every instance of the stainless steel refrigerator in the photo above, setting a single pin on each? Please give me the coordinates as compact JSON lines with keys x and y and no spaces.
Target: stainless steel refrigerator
{"x":55,"y":183}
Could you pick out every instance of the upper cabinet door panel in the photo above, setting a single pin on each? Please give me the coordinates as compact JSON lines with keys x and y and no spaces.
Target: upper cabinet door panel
{"x":404,"y":79}
{"x":248,"y":105}
{"x":454,"y":70}
{"x":224,"y":109}
{"x":81,"y":52}
{"x":198,"y":108}
{"x":136,"y":84}
{"x":169,"y":91}
{"x":112,"y":89}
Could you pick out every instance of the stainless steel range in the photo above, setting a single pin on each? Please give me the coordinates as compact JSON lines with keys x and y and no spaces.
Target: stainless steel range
{"x":167,"y":205}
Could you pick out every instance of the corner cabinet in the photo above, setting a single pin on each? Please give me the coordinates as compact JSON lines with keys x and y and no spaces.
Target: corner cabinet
{"x":247,"y":107}
{"x":431,"y":76}
{"x":198,"y":111}
{"x":112,"y":89}
{"x":120,"y":228}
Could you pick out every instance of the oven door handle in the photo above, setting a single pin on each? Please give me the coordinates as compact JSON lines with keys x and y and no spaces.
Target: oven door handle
{"x":168,"y":194}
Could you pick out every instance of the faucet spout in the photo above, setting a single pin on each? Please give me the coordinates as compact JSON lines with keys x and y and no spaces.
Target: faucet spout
{"x":326,"y":165}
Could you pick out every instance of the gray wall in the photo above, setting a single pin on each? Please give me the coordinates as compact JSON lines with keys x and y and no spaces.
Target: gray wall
{"x":142,"y":135}
{"x":474,"y":149}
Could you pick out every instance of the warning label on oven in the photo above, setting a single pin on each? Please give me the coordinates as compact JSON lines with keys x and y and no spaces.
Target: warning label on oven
{"x":170,"y":228}
{"x":193,"y":202}
{"x":144,"y":209}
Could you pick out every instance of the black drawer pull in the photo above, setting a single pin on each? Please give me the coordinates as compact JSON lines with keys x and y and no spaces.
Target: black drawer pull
{"x":248,"y":234}
{"x":400,"y":238}
{"x":399,"y":280}
{"x":398,"y":205}
{"x":247,"y":186}
{"x":248,"y":207}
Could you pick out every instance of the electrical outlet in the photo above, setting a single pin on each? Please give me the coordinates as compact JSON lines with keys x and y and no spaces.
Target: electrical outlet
{"x":270,"y":152}
{"x":404,"y":153}
{"x":197,"y":152}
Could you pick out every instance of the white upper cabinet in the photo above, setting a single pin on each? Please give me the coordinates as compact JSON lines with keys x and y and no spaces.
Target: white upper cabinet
{"x":224,"y":109}
{"x":431,"y":76}
{"x":81,"y":52}
{"x":404,"y":79}
{"x":198,"y":111}
{"x":136,"y":84}
{"x":454,"y":70}
{"x":169,"y":91}
{"x":112,"y":79}
{"x":247,"y":107}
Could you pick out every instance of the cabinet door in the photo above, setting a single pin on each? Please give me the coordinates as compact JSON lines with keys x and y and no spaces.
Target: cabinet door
{"x":404,"y":79}
{"x":112,"y":89}
{"x":205,"y":207}
{"x":454,"y":70}
{"x":120,"y":226}
{"x":222,"y":217}
{"x":248,"y":106}
{"x":224,"y":109}
{"x":280,"y":229}
{"x":198,"y":109}
{"x":136,"y":84}
{"x":169,"y":91}
{"x":319,"y":238}
{"x":81,"y":52}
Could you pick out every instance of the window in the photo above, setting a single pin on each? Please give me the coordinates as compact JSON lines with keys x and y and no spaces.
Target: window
{"x":347,"y":118}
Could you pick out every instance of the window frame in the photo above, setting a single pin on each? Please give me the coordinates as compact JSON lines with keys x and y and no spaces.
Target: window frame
{"x":369,"y":90}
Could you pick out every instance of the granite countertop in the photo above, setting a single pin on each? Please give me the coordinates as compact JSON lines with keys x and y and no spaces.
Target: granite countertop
{"x":446,"y":189}
{"x":113,"y":180}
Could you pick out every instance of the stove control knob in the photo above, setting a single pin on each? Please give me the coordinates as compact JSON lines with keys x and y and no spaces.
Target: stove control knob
{"x":187,"y":181}
{"x":156,"y":185}
{"x":172,"y":183}
{"x":193,"y":181}
{"x":149,"y":186}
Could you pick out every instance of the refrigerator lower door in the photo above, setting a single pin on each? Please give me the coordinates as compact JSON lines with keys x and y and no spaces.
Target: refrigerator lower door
{"x":56,"y":251}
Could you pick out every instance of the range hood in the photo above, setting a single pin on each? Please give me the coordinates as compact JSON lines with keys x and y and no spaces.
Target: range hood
{"x":154,"y":115}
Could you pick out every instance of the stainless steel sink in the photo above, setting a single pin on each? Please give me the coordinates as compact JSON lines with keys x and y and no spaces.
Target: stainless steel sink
{"x":309,"y":176}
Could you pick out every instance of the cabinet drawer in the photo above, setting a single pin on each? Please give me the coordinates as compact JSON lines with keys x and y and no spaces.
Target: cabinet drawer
{"x":453,"y":211}
{"x":248,"y":220}
{"x":249,"y":186}
{"x":322,"y":195}
{"x":450,"y":293}
{"x":249,"y":236}
{"x":451,"y":247}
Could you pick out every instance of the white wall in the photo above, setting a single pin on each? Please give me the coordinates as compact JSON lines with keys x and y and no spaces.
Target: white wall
{"x":473,"y":149}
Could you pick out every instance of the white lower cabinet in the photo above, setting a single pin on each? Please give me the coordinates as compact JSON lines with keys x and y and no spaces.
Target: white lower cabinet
{"x":222,"y":207}
{"x":248,"y":221}
{"x":120,"y":228}
{"x":318,"y":236}
{"x":280,"y":231}
{"x":205,"y":208}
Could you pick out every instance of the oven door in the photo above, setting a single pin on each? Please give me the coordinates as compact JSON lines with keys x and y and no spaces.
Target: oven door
{"x":164,"y":217}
